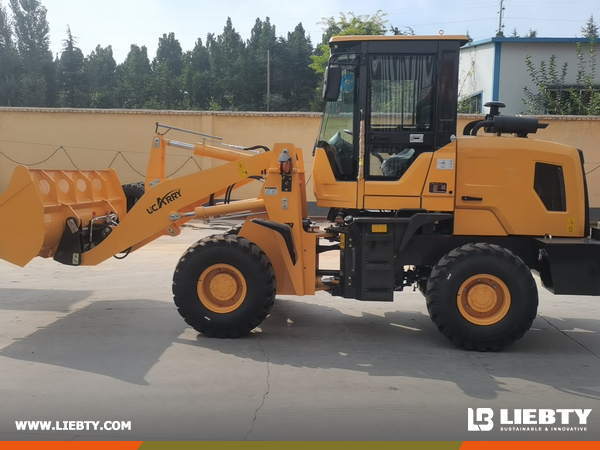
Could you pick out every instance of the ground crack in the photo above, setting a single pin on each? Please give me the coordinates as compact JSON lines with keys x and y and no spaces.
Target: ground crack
{"x":268,"y":361}
{"x":569,"y":336}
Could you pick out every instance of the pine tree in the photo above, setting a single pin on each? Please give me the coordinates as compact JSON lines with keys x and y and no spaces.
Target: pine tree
{"x":74,"y":88}
{"x":590,"y":30}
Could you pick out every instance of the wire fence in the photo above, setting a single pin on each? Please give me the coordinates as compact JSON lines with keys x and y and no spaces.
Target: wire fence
{"x":118,"y":153}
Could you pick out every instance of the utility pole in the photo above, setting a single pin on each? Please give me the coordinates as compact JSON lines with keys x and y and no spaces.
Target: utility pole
{"x":500,"y":32}
{"x":268,"y":78}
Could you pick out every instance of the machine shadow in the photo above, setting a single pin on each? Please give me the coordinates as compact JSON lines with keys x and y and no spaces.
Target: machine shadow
{"x":40,"y":299}
{"x":124,"y":339}
{"x":406,"y":343}
{"x":120,"y":339}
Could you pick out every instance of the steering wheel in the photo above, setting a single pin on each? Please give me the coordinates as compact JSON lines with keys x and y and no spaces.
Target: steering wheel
{"x":343,"y":153}
{"x":378,"y":156}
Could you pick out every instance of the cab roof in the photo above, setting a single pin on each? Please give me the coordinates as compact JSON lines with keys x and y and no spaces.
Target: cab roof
{"x":351,"y":38}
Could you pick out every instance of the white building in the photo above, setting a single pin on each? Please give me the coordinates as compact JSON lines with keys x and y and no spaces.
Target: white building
{"x":495,"y":70}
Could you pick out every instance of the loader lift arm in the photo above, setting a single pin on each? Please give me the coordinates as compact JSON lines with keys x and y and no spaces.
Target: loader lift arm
{"x":151,"y":215}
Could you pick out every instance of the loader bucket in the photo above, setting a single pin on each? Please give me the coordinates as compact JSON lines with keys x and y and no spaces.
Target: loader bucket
{"x":37,"y":203}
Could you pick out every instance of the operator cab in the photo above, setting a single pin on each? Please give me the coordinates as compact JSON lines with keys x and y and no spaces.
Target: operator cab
{"x":389,"y":100}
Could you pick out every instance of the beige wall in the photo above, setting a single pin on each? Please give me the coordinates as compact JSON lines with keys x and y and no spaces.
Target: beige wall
{"x":92,"y":138}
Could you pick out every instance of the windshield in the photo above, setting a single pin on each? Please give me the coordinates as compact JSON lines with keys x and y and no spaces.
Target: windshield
{"x":338,"y":118}
{"x":337,"y":130}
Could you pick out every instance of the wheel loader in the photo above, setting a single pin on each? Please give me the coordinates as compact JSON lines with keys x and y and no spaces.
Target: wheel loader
{"x":464,"y":217}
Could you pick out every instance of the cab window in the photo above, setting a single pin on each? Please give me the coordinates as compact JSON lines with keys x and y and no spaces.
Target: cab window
{"x":400,"y":112}
{"x":401,"y":92}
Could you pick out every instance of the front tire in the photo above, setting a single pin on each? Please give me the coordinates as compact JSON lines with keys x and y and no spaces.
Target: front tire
{"x":481,"y":296}
{"x":224,"y":286}
{"x":133,"y":192}
{"x":235,"y":230}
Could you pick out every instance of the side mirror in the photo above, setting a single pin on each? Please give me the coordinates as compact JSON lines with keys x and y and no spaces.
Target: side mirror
{"x":332,"y":83}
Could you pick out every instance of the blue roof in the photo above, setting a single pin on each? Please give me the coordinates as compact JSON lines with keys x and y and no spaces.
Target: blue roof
{"x":529,"y":40}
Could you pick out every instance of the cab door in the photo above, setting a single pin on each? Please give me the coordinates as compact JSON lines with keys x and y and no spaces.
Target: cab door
{"x":399,"y":134}
{"x":410,"y":109}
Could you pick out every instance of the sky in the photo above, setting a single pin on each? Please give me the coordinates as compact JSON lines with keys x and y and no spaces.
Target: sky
{"x":121,"y":23}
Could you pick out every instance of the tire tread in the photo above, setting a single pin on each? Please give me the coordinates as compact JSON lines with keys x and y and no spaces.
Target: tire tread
{"x":182,"y":279}
{"x":444,"y":269}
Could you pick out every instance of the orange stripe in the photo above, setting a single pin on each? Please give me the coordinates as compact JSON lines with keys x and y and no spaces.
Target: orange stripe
{"x":70,"y":445}
{"x":530,"y":445}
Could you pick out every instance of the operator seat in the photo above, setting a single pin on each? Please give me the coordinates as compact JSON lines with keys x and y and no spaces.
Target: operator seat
{"x":396,"y":165}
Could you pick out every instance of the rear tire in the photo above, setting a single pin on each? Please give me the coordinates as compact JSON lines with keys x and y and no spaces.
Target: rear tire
{"x":224,"y":286}
{"x":482,"y":297}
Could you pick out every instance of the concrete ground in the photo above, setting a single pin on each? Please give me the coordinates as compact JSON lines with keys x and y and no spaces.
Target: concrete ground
{"x":106,"y":343}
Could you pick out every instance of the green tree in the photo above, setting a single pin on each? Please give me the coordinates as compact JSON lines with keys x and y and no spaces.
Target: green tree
{"x":344,"y":26}
{"x":225,"y":56}
{"x":9,"y":66}
{"x":590,"y":30}
{"x":469,"y":38}
{"x":549,"y":81}
{"x":74,"y":89}
{"x":215,"y":62}
{"x":37,"y":81}
{"x":169,"y":53}
{"x":301,"y":80}
{"x":197,"y":79}
{"x":232,"y":47}
{"x":100,"y":69}
{"x":132,"y":78}
{"x":165,"y":89}
{"x":585,"y":97}
{"x":263,"y":41}
{"x":407,"y":31}
{"x":552,"y":96}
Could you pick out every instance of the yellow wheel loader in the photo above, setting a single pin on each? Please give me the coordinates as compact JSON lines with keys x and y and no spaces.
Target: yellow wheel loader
{"x":465,"y":219}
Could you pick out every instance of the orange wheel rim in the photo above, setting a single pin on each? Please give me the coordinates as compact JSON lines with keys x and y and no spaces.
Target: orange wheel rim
{"x":483,"y":299}
{"x":222,"y":288}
